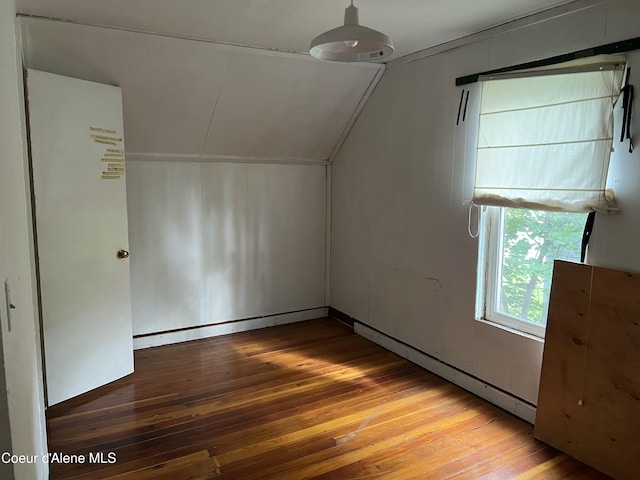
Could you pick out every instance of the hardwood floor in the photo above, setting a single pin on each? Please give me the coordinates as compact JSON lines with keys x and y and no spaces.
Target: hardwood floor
{"x":300,"y":401}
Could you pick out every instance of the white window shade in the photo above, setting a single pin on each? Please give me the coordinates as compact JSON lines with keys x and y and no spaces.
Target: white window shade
{"x":544,"y":141}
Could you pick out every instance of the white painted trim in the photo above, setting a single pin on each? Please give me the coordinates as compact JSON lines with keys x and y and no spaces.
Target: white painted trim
{"x":23,"y":366}
{"x":188,"y":157}
{"x":327,"y":255}
{"x":356,"y":113}
{"x":225,"y":46}
{"x":484,"y":390}
{"x":524,"y":22}
{"x":226,"y":328}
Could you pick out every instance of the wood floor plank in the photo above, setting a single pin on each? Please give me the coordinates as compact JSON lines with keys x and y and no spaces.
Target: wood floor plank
{"x":452,"y":454}
{"x":197,"y":465}
{"x":366,"y":454}
{"x":310,"y":400}
{"x":228,"y":427}
{"x":184,"y":413}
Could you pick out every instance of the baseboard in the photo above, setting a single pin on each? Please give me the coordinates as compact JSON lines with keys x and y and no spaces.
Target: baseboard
{"x":498,"y":397}
{"x":343,"y":317}
{"x":205,"y":331}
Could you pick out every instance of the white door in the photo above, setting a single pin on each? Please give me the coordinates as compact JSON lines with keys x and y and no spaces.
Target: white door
{"x":77,"y":150}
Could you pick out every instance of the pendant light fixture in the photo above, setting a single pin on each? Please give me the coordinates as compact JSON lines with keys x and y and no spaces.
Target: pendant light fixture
{"x":351,"y":42}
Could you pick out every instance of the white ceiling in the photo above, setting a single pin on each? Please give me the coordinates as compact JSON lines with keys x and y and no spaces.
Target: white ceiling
{"x":289,"y":25}
{"x":215,"y":102}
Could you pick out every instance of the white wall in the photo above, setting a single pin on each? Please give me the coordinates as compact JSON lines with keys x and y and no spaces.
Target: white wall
{"x":215,"y":242}
{"x":402,"y":261}
{"x":21,"y":360}
{"x":227,"y":153}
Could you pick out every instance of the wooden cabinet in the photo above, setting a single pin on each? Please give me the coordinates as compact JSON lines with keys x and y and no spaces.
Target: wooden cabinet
{"x":589,"y":398}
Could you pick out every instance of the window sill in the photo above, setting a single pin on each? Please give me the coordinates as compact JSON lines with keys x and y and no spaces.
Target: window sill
{"x":511,"y":330}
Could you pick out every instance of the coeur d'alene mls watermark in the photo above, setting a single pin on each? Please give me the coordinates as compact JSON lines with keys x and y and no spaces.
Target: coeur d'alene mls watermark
{"x":58,"y":457}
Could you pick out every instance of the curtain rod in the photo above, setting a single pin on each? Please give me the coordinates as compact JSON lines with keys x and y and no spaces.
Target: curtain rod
{"x":609,"y":49}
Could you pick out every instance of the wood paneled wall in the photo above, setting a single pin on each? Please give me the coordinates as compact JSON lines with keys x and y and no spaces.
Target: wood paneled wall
{"x":185,"y":98}
{"x":402,"y":260}
{"x":217,"y":242}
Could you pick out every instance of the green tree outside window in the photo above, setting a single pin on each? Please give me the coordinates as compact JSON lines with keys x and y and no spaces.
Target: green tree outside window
{"x":532,"y":240}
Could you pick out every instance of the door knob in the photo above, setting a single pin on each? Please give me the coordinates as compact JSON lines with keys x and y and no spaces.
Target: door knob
{"x":123,"y":254}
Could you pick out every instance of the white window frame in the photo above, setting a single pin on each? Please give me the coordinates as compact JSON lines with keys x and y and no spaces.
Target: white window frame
{"x":490,"y":273}
{"x":494,"y":170}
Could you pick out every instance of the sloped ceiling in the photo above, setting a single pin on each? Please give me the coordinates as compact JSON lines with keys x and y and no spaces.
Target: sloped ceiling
{"x":186,"y":99}
{"x":232,"y":79}
{"x":289,"y":25}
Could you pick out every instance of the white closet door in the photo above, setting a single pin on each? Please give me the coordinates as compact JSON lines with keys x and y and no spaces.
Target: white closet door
{"x":77,"y":151}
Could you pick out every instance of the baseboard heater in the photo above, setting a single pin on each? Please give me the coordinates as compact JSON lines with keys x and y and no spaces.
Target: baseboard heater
{"x":196,"y":332}
{"x":517,"y":406}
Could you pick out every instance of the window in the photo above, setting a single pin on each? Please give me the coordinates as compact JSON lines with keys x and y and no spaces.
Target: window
{"x":544,"y":142}
{"x":519,"y":247}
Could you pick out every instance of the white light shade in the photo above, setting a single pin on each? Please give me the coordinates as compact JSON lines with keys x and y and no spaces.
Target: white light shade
{"x":351,"y":42}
